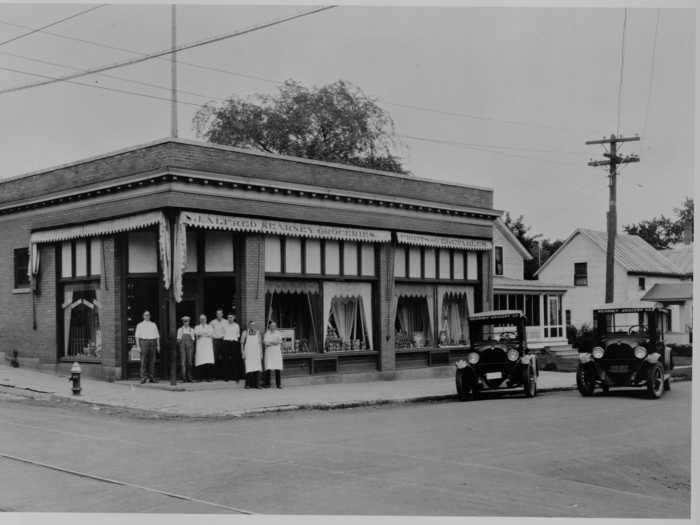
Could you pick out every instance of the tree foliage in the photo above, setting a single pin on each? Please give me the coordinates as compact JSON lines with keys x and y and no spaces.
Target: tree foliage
{"x":335,"y":123}
{"x":541,"y":249}
{"x":662,"y":232}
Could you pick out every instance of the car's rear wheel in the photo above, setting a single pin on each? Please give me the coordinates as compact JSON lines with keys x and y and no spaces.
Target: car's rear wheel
{"x":584,"y":381}
{"x":655,"y":381}
{"x":530,"y":382}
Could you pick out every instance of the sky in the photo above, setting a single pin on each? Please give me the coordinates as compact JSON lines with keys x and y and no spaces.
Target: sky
{"x":521,"y":89}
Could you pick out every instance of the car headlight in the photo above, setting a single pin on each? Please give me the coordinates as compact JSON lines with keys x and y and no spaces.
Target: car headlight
{"x":640,"y":352}
{"x":512,"y":355}
{"x":598,"y":352}
{"x":473,"y":358}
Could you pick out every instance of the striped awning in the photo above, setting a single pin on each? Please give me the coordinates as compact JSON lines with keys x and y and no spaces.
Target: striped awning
{"x":435,"y":241}
{"x":299,"y":287}
{"x":292,"y":229}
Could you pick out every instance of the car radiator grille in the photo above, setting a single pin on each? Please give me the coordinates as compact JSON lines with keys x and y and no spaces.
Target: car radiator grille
{"x":493,"y":356}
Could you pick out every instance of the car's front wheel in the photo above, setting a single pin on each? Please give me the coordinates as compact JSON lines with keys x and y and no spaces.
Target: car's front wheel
{"x":655,"y":381}
{"x":584,"y":381}
{"x":530,"y":382}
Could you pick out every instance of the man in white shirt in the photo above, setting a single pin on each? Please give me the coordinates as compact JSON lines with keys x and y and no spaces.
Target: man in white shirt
{"x":235,"y":369}
{"x":218,"y":326}
{"x":148,"y":343}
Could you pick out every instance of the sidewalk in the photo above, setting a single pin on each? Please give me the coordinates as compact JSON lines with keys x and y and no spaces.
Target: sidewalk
{"x":219,"y":399}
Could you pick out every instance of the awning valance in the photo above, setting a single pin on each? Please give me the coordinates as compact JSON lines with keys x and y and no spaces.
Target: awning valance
{"x":106,"y":227}
{"x":292,"y":229}
{"x":435,"y":241}
{"x":300,"y":287}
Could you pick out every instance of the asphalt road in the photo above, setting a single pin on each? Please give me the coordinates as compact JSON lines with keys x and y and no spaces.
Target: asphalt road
{"x":558,"y":455}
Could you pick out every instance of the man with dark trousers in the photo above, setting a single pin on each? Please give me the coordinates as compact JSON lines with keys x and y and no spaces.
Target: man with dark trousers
{"x":148,"y":343}
{"x":218,"y":326}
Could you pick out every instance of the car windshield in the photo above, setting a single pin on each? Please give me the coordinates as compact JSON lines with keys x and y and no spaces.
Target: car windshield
{"x":502,"y":330}
{"x":623,"y":323}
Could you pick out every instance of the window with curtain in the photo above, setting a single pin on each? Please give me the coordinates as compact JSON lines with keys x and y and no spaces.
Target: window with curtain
{"x":347,"y":325}
{"x":454,"y":320}
{"x":81,"y":321}
{"x":300,"y":312}
{"x":413,"y":323}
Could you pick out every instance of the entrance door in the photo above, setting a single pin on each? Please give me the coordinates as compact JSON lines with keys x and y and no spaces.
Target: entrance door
{"x":142,"y":293}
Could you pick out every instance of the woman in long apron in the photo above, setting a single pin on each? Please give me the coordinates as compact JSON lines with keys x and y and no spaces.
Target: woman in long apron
{"x":273,"y":355}
{"x":204,"y":352}
{"x":252,"y":355}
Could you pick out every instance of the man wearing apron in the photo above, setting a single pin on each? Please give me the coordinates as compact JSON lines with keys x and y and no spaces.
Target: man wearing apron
{"x":185,"y":343}
{"x":252,"y":355}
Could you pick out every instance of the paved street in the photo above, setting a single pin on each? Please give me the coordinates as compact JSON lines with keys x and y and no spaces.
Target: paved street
{"x":558,"y":455}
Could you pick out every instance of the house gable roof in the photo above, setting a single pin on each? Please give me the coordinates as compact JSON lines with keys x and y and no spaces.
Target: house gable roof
{"x":681,"y":256}
{"x":510,"y":237}
{"x":632,"y":252}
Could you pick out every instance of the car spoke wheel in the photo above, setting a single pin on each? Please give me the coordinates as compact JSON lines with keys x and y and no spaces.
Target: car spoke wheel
{"x":530,"y":382}
{"x":584,"y":381}
{"x":655,"y":381}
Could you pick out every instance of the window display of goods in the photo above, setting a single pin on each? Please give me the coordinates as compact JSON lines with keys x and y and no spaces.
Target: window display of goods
{"x":403,"y":341}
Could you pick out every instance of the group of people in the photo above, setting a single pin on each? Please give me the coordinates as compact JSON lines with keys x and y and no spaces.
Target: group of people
{"x":216,"y":350}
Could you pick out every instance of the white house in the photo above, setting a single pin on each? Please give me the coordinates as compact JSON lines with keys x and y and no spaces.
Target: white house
{"x":542,"y":303}
{"x":580,"y":263}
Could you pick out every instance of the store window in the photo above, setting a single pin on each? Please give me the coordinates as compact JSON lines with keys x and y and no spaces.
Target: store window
{"x":292,"y":255}
{"x":367,"y":259}
{"x":350,"y":258}
{"x":21,"y":266}
{"x":332,"y":257}
{"x":273,"y":254}
{"x":413,"y":323}
{"x":143,"y":252}
{"x":454,"y":319}
{"x":580,"y":274}
{"x":191,"y":264}
{"x":414,"y":262}
{"x":81,"y":258}
{"x":313,"y":256}
{"x":498,"y":260}
{"x":444,"y":264}
{"x":296,"y":308}
{"x":458,"y":265}
{"x":429,"y":266}
{"x":218,"y":251}
{"x":399,"y":261}
{"x":472,"y":266}
{"x":81,"y":321}
{"x":347,"y":310}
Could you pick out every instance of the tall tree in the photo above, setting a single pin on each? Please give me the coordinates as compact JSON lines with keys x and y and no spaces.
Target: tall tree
{"x":335,"y":123}
{"x":662,"y":232}
{"x":541,"y":249}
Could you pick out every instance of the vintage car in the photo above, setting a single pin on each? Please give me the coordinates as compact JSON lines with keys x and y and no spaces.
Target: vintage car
{"x":498,"y":357}
{"x":626,"y":349}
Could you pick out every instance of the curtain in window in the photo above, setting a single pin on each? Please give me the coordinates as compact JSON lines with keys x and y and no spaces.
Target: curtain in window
{"x":455,"y":304}
{"x":81,"y":321}
{"x":362,"y":293}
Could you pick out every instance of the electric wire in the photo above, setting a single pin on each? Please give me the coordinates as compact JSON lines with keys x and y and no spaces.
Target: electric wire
{"x":55,"y":23}
{"x":168,"y":51}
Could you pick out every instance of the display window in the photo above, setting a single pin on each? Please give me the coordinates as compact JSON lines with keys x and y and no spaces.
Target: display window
{"x":348,"y":317}
{"x":296,"y":309}
{"x":413,"y":323}
{"x":81,"y":321}
{"x":455,"y":304}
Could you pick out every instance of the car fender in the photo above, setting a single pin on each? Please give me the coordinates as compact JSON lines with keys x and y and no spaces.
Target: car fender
{"x":653,"y":357}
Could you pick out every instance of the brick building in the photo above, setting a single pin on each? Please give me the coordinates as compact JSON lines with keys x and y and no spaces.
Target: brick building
{"x":363,"y":270}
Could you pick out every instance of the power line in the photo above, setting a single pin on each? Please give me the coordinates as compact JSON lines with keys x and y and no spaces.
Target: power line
{"x":280,"y":82}
{"x":98,"y":86}
{"x":485,"y":149}
{"x":157,"y":54}
{"x":106,"y":75}
{"x":498,"y":146}
{"x":622,"y":69}
{"x":651,"y":73}
{"x":39,"y":29}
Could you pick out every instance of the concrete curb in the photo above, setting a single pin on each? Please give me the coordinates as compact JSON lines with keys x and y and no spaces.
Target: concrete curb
{"x":261,"y":411}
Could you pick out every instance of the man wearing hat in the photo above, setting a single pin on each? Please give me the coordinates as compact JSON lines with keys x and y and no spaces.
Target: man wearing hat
{"x":185,"y":343}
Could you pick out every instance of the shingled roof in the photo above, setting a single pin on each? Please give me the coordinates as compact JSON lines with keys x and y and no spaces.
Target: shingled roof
{"x":681,"y":256}
{"x":632,"y":252}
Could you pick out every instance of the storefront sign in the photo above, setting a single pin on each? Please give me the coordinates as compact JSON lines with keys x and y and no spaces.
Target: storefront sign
{"x":435,"y":241}
{"x":293,"y":229}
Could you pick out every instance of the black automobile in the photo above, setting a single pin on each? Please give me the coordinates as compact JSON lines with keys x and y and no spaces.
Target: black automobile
{"x":498,"y":357}
{"x":626,"y":349}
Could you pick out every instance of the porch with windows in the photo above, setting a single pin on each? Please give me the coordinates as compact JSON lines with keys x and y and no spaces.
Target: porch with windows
{"x":542,"y":304}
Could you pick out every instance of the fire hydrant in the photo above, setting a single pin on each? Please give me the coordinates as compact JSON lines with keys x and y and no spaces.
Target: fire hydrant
{"x":75,"y":378}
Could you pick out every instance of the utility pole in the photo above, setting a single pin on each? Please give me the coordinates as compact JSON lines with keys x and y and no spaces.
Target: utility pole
{"x":614,"y":160}
{"x":173,"y":75}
